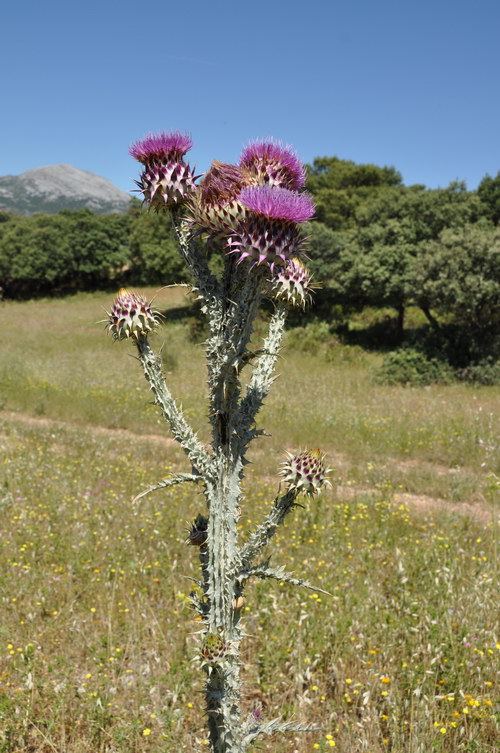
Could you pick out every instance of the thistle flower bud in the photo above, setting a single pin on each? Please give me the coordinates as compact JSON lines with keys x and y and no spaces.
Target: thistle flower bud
{"x":166,"y":180}
{"x":222,"y":183}
{"x":198,"y":531}
{"x":130,"y":316}
{"x":271,"y":163}
{"x":214,"y":647}
{"x":293,"y":284}
{"x":306,"y":472}
{"x":214,"y":207}
{"x":257,"y":714}
{"x":269,"y":233}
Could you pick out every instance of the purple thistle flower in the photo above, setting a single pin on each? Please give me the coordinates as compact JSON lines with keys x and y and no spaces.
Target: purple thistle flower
{"x":257,"y":714}
{"x":161,"y":146}
{"x":274,"y":163}
{"x":278,"y":203}
{"x":166,"y":180}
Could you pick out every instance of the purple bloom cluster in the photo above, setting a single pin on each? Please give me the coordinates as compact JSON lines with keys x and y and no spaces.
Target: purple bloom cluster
{"x":268,"y":156}
{"x":278,"y":203}
{"x":165,"y":146}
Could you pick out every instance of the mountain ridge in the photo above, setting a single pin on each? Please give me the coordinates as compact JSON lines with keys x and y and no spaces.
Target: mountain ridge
{"x":51,"y":188}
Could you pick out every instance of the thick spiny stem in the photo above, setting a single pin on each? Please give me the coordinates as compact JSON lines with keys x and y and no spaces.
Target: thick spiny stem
{"x":266,"y":234}
{"x":262,"y":375}
{"x":265,"y":531}
{"x":181,"y":430}
{"x":207,"y":284}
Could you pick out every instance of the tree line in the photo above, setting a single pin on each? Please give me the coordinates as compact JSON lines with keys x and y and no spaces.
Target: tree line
{"x":49,"y":254}
{"x":375,"y":242}
{"x":379,"y":243}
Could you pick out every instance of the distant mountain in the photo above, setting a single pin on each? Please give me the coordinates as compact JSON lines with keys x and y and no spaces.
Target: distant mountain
{"x":55,"y":187}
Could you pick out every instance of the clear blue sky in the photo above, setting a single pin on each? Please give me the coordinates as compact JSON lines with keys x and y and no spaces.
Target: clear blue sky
{"x":410,"y":84}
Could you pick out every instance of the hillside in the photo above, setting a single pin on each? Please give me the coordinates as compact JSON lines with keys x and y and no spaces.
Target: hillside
{"x":54,"y":187}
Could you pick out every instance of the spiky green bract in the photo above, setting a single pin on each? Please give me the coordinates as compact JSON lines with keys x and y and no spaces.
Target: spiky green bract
{"x":262,"y":241}
{"x":166,"y":180}
{"x":166,"y":185}
{"x":292,"y":284}
{"x":269,"y":233}
{"x":305,"y":473}
{"x":130,"y":316}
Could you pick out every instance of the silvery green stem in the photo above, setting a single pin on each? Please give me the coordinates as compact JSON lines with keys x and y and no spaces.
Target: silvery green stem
{"x":262,"y":376}
{"x":266,"y":530}
{"x":181,"y":430}
{"x":166,"y":482}
{"x":254,"y":730}
{"x":207,"y":283}
{"x":226,"y":350}
{"x":231,"y":305}
{"x":263,"y":571}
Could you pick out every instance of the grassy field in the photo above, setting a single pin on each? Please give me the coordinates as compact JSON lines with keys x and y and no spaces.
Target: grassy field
{"x":98,"y":644}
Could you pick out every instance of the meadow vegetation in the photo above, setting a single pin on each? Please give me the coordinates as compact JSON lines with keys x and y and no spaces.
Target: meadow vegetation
{"x":97,"y":639}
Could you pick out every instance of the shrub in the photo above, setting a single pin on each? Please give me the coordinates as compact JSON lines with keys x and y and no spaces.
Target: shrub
{"x":410,"y":366}
{"x":485,"y":372}
{"x":313,"y":337}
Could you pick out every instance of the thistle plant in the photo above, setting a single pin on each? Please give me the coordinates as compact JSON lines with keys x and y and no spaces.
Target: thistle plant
{"x":251,"y":214}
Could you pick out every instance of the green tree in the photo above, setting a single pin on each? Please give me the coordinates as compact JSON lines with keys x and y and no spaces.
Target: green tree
{"x":34,"y":255}
{"x":154,"y":256}
{"x":98,"y":245}
{"x":68,"y":250}
{"x":458,"y":276}
{"x":341,"y":186}
{"x":489,"y":193}
{"x":392,"y":230}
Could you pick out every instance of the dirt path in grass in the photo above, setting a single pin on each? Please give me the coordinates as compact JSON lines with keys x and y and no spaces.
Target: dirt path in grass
{"x":421,"y":504}
{"x":53,"y":423}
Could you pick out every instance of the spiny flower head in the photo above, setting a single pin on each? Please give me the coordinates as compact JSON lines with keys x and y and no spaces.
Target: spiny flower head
{"x":214,"y":206}
{"x":278,"y":203}
{"x":305,"y":472}
{"x":268,"y":234}
{"x":166,"y":180}
{"x":214,"y":647}
{"x":162,"y":147}
{"x":293,"y":284}
{"x":265,"y":242}
{"x":130,"y":316}
{"x":222,"y":183}
{"x":269,"y":161}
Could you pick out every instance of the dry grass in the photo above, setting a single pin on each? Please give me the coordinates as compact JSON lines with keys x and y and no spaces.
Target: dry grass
{"x":97,"y":642}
